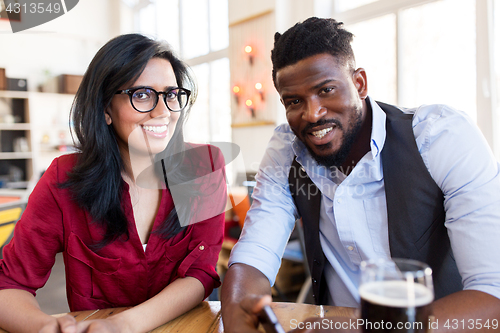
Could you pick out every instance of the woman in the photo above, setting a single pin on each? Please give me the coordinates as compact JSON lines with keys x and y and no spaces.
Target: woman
{"x":125,"y":210}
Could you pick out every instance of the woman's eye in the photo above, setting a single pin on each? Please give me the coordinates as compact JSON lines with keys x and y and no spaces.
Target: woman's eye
{"x":172,"y":95}
{"x":142,"y":95}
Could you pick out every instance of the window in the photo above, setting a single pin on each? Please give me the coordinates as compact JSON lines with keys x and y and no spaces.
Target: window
{"x":344,"y":5}
{"x":409,"y":64}
{"x":496,"y":52}
{"x":195,"y":29}
{"x":380,"y":66}
{"x":198,"y":31}
{"x":439,"y":67}
{"x":430,"y":51}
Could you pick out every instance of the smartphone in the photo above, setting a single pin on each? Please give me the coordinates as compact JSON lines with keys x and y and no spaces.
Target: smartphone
{"x":269,"y":320}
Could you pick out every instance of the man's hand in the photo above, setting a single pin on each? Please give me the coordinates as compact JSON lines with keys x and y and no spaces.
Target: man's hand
{"x":244,"y":292}
{"x":454,"y":313}
{"x":245,"y":313}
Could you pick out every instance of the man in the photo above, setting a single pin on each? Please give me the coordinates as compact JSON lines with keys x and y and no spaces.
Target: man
{"x":420,"y":183}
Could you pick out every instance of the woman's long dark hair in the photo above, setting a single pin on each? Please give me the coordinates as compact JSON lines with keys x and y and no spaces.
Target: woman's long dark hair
{"x":95,"y":182}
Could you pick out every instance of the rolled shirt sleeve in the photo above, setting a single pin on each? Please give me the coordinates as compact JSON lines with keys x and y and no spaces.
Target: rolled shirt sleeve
{"x":208,"y":219}
{"x":30,"y":255}
{"x":462,"y":164}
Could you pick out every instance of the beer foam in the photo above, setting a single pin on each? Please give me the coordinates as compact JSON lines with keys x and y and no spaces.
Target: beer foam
{"x":396,"y":294}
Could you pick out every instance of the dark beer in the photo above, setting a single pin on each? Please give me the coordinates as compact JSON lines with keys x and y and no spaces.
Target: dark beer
{"x":390,"y":306}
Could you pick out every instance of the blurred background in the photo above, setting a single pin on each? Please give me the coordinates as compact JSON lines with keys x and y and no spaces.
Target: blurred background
{"x":414,"y":51}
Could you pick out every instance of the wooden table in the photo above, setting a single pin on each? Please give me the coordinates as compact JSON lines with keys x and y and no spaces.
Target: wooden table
{"x":206,"y":317}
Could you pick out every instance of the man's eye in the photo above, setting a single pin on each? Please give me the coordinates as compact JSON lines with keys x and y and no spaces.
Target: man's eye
{"x":327,"y":90}
{"x":293,"y":102}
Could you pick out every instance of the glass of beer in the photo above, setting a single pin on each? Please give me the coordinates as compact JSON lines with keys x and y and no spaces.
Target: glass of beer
{"x":395,"y":295}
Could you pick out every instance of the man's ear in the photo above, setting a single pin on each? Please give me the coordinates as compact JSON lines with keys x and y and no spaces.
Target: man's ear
{"x":108,"y":118}
{"x":360,"y":82}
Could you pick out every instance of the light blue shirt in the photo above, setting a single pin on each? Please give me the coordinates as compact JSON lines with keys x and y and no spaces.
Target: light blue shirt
{"x":353,"y":217}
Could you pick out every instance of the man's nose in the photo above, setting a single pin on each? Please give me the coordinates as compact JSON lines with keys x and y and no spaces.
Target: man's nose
{"x":314,"y":111}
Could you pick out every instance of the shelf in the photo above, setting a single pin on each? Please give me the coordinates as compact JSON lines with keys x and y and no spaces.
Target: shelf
{"x":39,"y":117}
{"x":15,"y":126}
{"x":30,"y":94}
{"x":55,"y":127}
{"x":16,"y":155}
{"x":14,"y":94}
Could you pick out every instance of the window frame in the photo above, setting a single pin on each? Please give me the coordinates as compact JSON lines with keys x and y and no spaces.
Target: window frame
{"x":488,"y":118}
{"x":211,"y":56}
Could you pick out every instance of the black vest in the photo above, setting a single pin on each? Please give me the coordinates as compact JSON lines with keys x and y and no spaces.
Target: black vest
{"x":414,"y":208}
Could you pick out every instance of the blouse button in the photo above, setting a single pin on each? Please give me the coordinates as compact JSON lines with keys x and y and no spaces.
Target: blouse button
{"x":202,"y":247}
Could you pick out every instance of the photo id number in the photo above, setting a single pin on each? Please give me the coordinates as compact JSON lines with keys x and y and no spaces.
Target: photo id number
{"x":33,"y":8}
{"x":471,"y":324}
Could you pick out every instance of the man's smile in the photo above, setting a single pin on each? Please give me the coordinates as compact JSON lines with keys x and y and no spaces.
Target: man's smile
{"x":321,"y":133}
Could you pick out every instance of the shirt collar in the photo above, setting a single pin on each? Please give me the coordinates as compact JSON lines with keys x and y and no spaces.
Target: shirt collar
{"x":303,"y":155}
{"x":378,"y":128}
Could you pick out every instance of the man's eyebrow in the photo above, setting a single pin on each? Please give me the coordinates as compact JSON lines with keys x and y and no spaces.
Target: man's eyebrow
{"x":288,"y":96}
{"x":322,"y":83}
{"x":317,"y":86}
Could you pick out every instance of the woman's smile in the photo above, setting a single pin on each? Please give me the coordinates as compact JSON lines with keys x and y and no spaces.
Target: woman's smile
{"x":158,"y":131}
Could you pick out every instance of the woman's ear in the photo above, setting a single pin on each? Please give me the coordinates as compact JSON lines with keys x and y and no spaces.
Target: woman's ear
{"x":108,"y":118}
{"x":359,"y":79}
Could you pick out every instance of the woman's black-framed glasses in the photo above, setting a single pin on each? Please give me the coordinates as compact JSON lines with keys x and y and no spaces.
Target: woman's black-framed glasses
{"x":145,"y":99}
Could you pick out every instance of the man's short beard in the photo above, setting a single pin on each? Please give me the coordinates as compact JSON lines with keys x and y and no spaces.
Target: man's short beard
{"x":338,"y":158}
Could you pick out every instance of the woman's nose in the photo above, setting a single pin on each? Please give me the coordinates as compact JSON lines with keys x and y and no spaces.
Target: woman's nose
{"x":160,"y":109}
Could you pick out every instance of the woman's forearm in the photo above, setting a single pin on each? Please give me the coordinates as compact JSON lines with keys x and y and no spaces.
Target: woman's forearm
{"x":177,"y":298}
{"x":20,"y":312}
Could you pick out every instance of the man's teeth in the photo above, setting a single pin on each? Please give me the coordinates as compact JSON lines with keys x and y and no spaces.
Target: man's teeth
{"x":155,"y":129}
{"x":322,"y":133}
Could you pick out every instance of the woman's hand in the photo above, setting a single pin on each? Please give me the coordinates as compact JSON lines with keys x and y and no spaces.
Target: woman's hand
{"x":68,"y":324}
{"x":64,"y":324}
{"x":109,"y":325}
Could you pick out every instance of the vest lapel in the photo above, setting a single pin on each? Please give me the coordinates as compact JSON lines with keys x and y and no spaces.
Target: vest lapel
{"x":415,"y":204}
{"x":307,"y":198}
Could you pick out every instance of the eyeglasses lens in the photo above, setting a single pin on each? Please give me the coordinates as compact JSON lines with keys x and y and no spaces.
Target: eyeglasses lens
{"x":145,"y":99}
{"x":176,"y":99}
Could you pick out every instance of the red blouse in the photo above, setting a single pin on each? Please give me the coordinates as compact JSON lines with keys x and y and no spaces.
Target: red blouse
{"x":119,"y":274}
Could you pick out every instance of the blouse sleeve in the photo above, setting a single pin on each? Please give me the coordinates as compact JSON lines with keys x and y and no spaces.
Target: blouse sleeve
{"x":208,"y":224}
{"x":38,"y":236}
{"x":202,"y":259}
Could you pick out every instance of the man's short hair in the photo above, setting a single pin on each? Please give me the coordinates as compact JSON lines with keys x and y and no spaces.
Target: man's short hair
{"x":311,"y":37}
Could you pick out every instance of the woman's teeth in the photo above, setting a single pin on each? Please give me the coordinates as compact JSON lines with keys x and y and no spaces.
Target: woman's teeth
{"x":155,"y":129}
{"x":322,"y":133}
